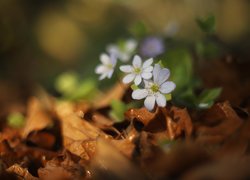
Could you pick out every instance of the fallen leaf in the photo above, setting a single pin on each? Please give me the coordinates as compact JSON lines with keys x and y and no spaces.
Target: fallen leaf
{"x":229,"y":167}
{"x":218,"y":123}
{"x":109,"y":163}
{"x":178,"y":122}
{"x":62,"y":167}
{"x":115,"y":93}
{"x":42,"y":139}
{"x":76,"y":131}
{"x":20,"y":172}
{"x":38,"y":117}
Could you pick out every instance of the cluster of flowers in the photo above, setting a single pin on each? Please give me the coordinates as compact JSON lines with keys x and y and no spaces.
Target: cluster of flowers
{"x":151,"y":80}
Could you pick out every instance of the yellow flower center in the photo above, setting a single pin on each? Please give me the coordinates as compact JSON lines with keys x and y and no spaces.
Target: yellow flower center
{"x":155,"y":88}
{"x":137,"y":70}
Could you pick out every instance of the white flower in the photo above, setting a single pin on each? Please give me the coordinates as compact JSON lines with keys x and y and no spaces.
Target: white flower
{"x":124,"y":51}
{"x":155,"y":90}
{"x":106,"y":69}
{"x":138,"y":71}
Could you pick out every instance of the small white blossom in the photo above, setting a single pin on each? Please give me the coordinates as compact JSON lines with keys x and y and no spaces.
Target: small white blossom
{"x":106,"y":69}
{"x":155,"y":90}
{"x":125,"y":51}
{"x":137,"y":71}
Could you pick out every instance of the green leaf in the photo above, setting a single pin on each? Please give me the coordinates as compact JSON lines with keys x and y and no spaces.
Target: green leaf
{"x":179,"y":61}
{"x":138,"y":29}
{"x":207,"y":49}
{"x":207,"y":24}
{"x":15,"y":120}
{"x":117,"y":110}
{"x":168,"y":97}
{"x":207,"y":97}
{"x":85,"y":89}
{"x":134,"y":87}
{"x":66,"y":83}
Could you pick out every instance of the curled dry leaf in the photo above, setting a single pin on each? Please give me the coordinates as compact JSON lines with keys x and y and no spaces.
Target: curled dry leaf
{"x":38,"y":117}
{"x":62,"y":167}
{"x":219,"y":123}
{"x":20,"y":172}
{"x":175,"y":121}
{"x":77,"y":132}
{"x":178,"y":122}
{"x":142,"y":114}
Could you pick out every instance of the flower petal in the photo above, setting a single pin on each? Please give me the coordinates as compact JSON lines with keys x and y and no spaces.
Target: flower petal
{"x":160,"y":74}
{"x":146,"y":75}
{"x":148,"y":69}
{"x":161,"y":100}
{"x":137,"y":61}
{"x":156,"y":72}
{"x":139,"y":94}
{"x":113,"y":59}
{"x":128,"y":78}
{"x":126,"y":68}
{"x":105,"y":59}
{"x":104,"y":75}
{"x":109,"y":75}
{"x":131,"y":45}
{"x":167,"y":87}
{"x":123,"y":57}
{"x":100,"y":69}
{"x":147,"y":63}
{"x":138,"y":80}
{"x":149,"y":102}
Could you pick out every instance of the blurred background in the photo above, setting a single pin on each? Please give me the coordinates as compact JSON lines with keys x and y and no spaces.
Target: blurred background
{"x":41,"y":39}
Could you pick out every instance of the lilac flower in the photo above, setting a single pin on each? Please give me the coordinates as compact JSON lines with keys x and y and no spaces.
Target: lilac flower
{"x":155,"y":90}
{"x":106,"y":69}
{"x":138,"y":71}
{"x":152,"y":47}
{"x":124,"y":51}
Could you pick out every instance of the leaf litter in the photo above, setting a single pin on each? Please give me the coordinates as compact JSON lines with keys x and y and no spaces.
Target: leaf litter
{"x":68,"y":140}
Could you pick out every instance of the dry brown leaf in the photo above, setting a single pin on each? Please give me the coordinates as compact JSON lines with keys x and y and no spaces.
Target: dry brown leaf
{"x":175,"y":121}
{"x":178,"y":122}
{"x":180,"y":158}
{"x":115,"y":93}
{"x":219,"y":123}
{"x":20,"y":172}
{"x":109,"y":163}
{"x":152,"y":121}
{"x":37,"y":119}
{"x":238,"y":143}
{"x":42,"y":139}
{"x":62,"y":167}
{"x":229,"y":167}
{"x":76,"y":131}
{"x":125,"y":146}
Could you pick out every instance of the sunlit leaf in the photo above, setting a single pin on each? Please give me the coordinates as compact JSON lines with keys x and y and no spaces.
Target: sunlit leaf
{"x":179,"y":61}
{"x":134,"y":87}
{"x":66,"y":83}
{"x":207,"y":98}
{"x":84,"y":90}
{"x":118,"y":108}
{"x":207,"y":24}
{"x":15,"y":120}
{"x":207,"y":49}
{"x":138,"y":29}
{"x":168,"y":97}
